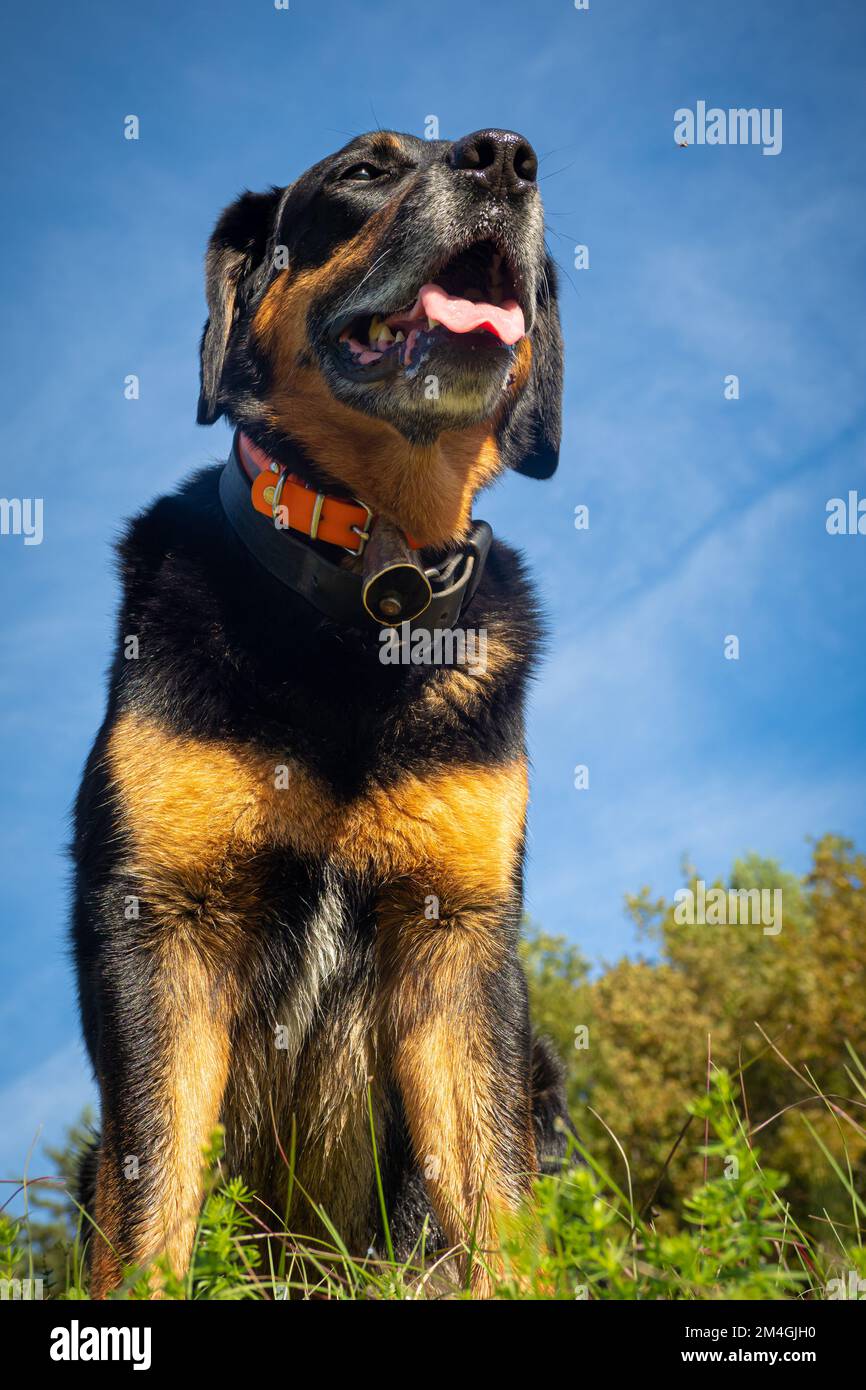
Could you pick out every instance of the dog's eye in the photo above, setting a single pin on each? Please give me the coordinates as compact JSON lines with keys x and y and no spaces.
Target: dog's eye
{"x":364,"y":173}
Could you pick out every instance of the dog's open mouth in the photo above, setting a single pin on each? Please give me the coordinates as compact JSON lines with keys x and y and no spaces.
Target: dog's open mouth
{"x":472,"y":296}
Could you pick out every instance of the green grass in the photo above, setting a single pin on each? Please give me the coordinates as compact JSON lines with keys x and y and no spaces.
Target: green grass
{"x":580,"y":1235}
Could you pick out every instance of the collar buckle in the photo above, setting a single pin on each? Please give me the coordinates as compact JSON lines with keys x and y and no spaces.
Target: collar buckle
{"x":317,"y":505}
{"x":277,"y":492}
{"x":362,"y":532}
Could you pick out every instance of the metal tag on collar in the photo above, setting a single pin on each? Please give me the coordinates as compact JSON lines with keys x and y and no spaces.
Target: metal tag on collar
{"x":395,"y":588}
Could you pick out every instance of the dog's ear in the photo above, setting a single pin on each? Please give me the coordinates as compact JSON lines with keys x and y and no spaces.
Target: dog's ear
{"x":236,"y":249}
{"x":536,"y":443}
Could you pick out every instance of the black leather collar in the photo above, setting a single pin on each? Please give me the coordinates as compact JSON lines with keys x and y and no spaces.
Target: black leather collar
{"x":328,"y":587}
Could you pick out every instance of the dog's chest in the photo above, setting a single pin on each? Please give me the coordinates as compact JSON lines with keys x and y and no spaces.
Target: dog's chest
{"x":203,"y":815}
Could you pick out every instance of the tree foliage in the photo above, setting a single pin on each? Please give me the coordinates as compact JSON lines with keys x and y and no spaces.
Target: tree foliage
{"x":781,"y":1013}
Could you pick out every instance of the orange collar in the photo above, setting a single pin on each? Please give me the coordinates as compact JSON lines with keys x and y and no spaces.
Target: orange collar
{"x":339,"y":592}
{"x":277,"y":492}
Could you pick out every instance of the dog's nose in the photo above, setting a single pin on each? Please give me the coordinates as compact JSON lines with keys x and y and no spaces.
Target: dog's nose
{"x":500,"y":160}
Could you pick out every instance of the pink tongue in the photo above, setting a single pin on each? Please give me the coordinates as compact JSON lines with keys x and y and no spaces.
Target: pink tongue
{"x":462,"y":316}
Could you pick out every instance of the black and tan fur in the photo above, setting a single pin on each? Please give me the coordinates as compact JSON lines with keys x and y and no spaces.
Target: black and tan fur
{"x":269,"y":811}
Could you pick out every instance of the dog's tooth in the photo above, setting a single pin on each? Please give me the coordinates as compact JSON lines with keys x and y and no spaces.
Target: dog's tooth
{"x":385,"y":334}
{"x":432,"y":323}
{"x":400,"y":337}
{"x":376,"y":326}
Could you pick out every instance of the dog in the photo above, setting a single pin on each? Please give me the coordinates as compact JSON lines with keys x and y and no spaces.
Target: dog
{"x":298,"y":866}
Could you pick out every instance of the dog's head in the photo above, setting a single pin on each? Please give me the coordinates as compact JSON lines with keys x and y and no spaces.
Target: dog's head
{"x":392,"y":315}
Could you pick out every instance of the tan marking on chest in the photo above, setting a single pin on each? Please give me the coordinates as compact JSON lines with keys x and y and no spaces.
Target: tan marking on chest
{"x":193,"y":808}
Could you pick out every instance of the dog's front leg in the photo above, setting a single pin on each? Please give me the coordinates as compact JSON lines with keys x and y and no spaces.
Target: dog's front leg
{"x":456,"y":997}
{"x":162,"y":1088}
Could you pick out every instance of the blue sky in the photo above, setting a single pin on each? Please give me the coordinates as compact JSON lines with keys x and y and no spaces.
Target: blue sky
{"x":706,"y":515}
